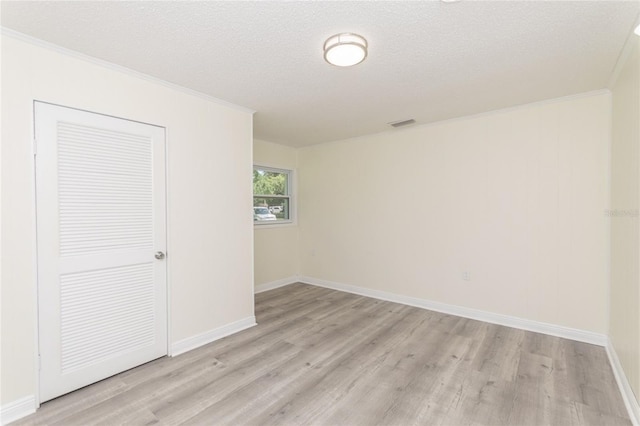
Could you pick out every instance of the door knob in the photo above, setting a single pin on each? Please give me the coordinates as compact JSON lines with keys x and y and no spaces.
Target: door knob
{"x":159,"y":255}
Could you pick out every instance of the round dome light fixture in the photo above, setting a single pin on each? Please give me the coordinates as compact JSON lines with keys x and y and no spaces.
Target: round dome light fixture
{"x":345,"y":49}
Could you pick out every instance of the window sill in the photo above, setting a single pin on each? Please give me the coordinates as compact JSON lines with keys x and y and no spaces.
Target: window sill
{"x":282,"y":224}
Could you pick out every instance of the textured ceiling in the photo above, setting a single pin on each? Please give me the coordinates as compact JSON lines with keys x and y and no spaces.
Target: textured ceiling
{"x":427,"y":60}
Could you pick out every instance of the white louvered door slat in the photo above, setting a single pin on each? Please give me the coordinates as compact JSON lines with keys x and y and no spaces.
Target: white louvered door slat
{"x":100,"y":219}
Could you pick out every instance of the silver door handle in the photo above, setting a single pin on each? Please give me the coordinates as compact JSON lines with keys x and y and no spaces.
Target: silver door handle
{"x":159,"y":255}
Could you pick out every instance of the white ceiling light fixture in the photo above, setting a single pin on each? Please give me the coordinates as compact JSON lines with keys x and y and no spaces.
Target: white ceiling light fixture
{"x":345,"y":49}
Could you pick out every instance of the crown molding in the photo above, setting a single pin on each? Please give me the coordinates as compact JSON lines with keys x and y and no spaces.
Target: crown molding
{"x":118,"y":68}
{"x":632,"y":38}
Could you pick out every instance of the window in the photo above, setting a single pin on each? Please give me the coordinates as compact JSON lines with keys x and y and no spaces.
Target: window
{"x":271,"y":195}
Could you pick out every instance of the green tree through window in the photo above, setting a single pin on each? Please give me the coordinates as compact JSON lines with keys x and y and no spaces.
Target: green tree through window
{"x":269,"y":183}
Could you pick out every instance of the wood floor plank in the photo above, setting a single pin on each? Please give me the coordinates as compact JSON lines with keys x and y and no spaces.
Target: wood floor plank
{"x":308,"y":361}
{"x":84,"y":398}
{"x":190,"y":401}
{"x":324,"y":357}
{"x":143,"y":395}
{"x":337,"y":375}
{"x":423,"y":358}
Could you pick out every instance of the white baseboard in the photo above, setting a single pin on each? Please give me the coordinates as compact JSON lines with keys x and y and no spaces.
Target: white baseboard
{"x":185,"y":345}
{"x":629,"y":398}
{"x":23,"y":407}
{"x":275,"y":284}
{"x":17,"y":409}
{"x":506,"y":320}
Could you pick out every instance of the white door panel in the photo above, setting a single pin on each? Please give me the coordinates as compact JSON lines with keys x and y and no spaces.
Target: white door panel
{"x":100,"y":184}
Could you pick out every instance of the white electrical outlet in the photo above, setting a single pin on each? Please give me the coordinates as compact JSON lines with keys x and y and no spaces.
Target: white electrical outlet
{"x":466,"y":276}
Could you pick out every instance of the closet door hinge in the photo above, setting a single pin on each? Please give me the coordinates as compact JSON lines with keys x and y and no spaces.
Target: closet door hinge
{"x":35,"y":146}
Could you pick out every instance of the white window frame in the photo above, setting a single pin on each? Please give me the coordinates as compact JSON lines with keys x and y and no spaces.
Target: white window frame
{"x":290,"y":196}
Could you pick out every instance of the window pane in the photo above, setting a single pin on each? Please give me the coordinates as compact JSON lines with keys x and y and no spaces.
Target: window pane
{"x":270,"y":183}
{"x":270,"y":209}
{"x":271,"y":197}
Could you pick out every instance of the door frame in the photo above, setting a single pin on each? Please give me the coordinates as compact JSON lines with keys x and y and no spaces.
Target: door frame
{"x":34,"y":233}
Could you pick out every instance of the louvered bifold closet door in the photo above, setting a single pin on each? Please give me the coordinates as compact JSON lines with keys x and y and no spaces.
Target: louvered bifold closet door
{"x":100,"y":222}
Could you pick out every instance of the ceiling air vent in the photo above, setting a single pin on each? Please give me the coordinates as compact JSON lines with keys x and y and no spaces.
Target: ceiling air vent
{"x":402,"y":123}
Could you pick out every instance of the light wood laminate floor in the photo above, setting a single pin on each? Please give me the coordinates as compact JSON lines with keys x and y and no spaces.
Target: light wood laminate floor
{"x":326,"y":357}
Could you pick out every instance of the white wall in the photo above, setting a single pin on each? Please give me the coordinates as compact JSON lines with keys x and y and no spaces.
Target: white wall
{"x":516,"y":198}
{"x":209,"y":166}
{"x":275,"y":247}
{"x":625,"y":234}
